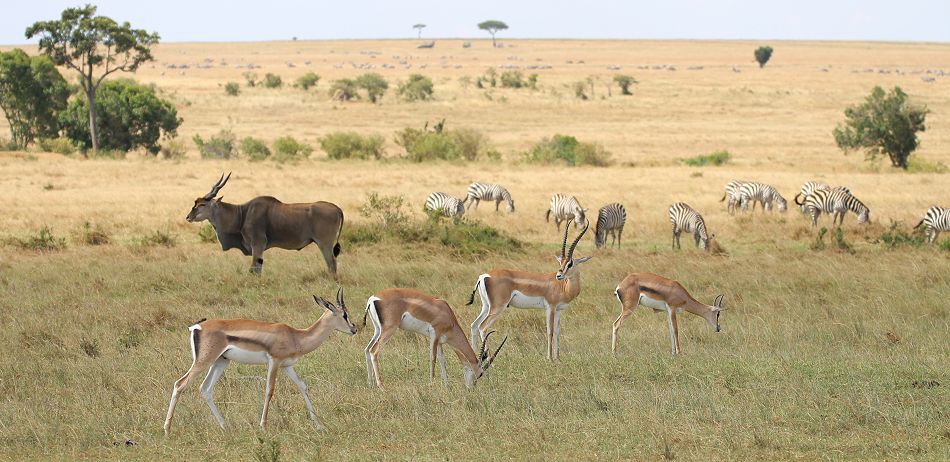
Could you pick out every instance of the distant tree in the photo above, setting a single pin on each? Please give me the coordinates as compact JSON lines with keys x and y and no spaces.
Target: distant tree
{"x":624,"y":81}
{"x":232,"y":89}
{"x":131,"y":116}
{"x":418,"y":88}
{"x":419,"y":27}
{"x":32,"y":92}
{"x":492,"y":26}
{"x":84,"y":42}
{"x":762,"y":55}
{"x":272,"y":81}
{"x":374,"y":84}
{"x":884,"y":124}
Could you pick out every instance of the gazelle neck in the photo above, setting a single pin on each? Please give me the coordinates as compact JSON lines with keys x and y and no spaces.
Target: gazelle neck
{"x":316,"y":334}
{"x":709,"y":313}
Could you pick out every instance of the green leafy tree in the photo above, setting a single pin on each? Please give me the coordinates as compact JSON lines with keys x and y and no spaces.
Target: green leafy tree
{"x":883,"y":124}
{"x":374,"y":84}
{"x":762,"y":55}
{"x":94,"y":46}
{"x":624,"y":81}
{"x":130,"y":114}
{"x":492,"y":26}
{"x":419,"y":28}
{"x":32,"y":92}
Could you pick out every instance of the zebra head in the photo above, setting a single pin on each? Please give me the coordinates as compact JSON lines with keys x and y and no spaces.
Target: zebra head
{"x":568,"y":265}
{"x":782,"y":203}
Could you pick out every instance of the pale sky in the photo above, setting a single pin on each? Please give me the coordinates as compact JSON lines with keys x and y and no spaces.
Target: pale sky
{"x":242,"y":20}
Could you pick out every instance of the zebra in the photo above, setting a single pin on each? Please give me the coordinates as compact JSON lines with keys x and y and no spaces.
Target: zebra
{"x":760,"y":192}
{"x":610,"y":218}
{"x":489,"y":192}
{"x":835,"y":201}
{"x":442,"y":202}
{"x":936,"y":219}
{"x":685,"y":218}
{"x":811,"y":186}
{"x":566,"y":208}
{"x":732,"y":194}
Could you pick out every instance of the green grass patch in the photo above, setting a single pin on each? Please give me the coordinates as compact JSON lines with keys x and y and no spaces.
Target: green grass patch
{"x":715,"y":158}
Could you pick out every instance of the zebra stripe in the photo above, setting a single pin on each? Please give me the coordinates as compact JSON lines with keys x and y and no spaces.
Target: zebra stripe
{"x":685,"y":218}
{"x":811,"y":186}
{"x":610,"y":217}
{"x":448,"y":205}
{"x":760,"y":192}
{"x":835,"y":201}
{"x":732,"y":194}
{"x":936,"y":219}
{"x":566,"y":208}
{"x":489,"y":192}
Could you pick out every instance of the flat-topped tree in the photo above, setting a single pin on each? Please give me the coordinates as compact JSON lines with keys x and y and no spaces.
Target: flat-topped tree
{"x":419,"y":27}
{"x":492,"y":26}
{"x":94,"y":46}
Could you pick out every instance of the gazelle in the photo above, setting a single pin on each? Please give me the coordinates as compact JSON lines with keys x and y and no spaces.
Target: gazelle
{"x":215,"y":343}
{"x":552,"y":292}
{"x":661,"y":294}
{"x":415,"y":311}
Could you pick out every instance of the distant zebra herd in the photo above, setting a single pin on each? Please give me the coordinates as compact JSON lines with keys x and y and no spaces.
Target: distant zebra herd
{"x":814,"y":199}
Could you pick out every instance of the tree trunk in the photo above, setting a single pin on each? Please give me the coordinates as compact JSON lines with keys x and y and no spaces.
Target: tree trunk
{"x":493,"y":45}
{"x":93,"y":130}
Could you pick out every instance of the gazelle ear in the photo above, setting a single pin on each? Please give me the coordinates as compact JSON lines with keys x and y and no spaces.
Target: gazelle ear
{"x":578,"y":261}
{"x":718,"y":303}
{"x":557,"y":258}
{"x":320,"y":301}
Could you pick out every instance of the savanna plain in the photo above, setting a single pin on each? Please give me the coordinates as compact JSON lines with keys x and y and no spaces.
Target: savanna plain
{"x":839,"y":352}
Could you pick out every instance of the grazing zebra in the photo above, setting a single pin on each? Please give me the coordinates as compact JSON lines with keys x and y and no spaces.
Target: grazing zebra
{"x":936,"y":219}
{"x":448,"y":205}
{"x":610,"y":217}
{"x":811,"y":186}
{"x":566,"y":208}
{"x":685,"y":218}
{"x":835,"y":201}
{"x":760,"y":192}
{"x":732,"y":194}
{"x":489,"y":192}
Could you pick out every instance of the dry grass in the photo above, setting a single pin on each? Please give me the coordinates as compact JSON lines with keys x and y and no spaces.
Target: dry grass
{"x":806,"y":366}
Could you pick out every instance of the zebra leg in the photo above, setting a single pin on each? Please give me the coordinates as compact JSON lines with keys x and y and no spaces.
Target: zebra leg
{"x":498,"y":201}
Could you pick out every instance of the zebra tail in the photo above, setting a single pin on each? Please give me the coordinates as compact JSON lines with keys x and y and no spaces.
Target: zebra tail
{"x":919,"y":224}
{"x":547,"y":216}
{"x":723,"y":197}
{"x":796,"y":199}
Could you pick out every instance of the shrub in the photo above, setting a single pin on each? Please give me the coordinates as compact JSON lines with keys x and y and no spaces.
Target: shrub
{"x":715,"y":158}
{"x":129,"y":116}
{"x":272,"y":81}
{"x":442,"y":144}
{"x":32,"y":92}
{"x":624,"y":81}
{"x":417,"y":88}
{"x":111,"y":154}
{"x":944,"y":245}
{"x":232,"y":89}
{"x":837,"y":240}
{"x":513,"y":79}
{"x":567,"y":149}
{"x":918,"y":165}
{"x":254,"y":149}
{"x":344,"y":90}
{"x":58,"y":145}
{"x":352,"y":145}
{"x":89,"y":347}
{"x":287,"y":148}
{"x":173,"y":149}
{"x":156,"y":238}
{"x":883,"y":124}
{"x":220,"y":146}
{"x":306,"y":81}
{"x":374,"y":84}
{"x":92,"y":235}
{"x":8,"y":145}
{"x":42,"y":241}
{"x":580,"y":89}
{"x":207,"y":234}
{"x":896,"y":235}
{"x":472,"y":144}
{"x":386,"y":211}
{"x":251,"y":79}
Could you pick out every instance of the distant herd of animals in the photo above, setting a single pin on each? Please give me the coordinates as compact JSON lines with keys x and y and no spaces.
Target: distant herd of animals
{"x":265,"y":222}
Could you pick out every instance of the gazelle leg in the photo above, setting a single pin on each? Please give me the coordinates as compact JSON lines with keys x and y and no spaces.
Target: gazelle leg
{"x":482,"y":316}
{"x":289,"y":370}
{"x":203,"y":361}
{"x":557,"y":333}
{"x":624,"y":313}
{"x":207,"y":387}
{"x":433,"y":346}
{"x":445,"y":376}
{"x":272,"y":370}
{"x":674,"y":329}
{"x":385,"y":334}
{"x":550,"y":324}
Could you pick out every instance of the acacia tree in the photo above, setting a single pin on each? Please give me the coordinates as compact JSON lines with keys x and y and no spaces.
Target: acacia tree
{"x":32,"y":92}
{"x":492,"y":26}
{"x":94,"y":46}
{"x":419,"y":27}
{"x":762,"y":55}
{"x":884,"y":124}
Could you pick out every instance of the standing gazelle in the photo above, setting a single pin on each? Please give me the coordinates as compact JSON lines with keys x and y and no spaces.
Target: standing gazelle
{"x":412,"y":310}
{"x":215,"y":343}
{"x":661,"y":294}
{"x":552,"y":292}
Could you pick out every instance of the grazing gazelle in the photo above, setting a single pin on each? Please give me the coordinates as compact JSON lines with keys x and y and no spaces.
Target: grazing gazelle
{"x":215,"y":343}
{"x":415,"y":311}
{"x":552,"y":292}
{"x":661,"y":294}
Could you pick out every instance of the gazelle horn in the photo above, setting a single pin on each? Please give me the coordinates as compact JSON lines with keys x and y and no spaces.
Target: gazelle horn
{"x":570,"y":253}
{"x":481,"y":352}
{"x":339,"y":297}
{"x":217,"y":186}
{"x":564,"y":243}
{"x":718,"y":303}
{"x":491,"y":359}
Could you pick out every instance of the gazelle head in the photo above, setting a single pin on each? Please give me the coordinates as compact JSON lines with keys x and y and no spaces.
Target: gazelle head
{"x":336,"y":314}
{"x":712,"y":316}
{"x":568,"y":265}
{"x":484,"y":361}
{"x":202,"y":209}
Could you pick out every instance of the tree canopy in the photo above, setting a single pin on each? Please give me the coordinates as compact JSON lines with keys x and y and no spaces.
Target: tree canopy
{"x":492,"y":26}
{"x":32,"y":92}
{"x":883,"y":124}
{"x":95,"y":47}
{"x":762,"y":55}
